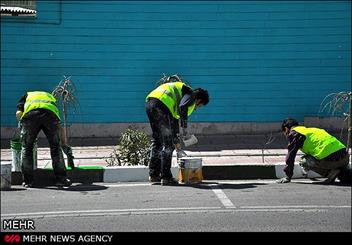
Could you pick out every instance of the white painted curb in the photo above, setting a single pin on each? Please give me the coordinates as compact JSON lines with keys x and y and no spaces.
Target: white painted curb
{"x":130,"y":173}
{"x":298,"y":172}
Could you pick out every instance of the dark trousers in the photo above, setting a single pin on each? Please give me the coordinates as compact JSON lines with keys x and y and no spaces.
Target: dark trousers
{"x":32,"y":123}
{"x":162,"y":124}
{"x":323,"y":166}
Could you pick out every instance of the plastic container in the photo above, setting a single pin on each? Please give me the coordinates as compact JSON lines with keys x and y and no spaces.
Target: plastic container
{"x":190,"y":170}
{"x":16,"y":148}
{"x":5,"y":176}
{"x":190,"y":141}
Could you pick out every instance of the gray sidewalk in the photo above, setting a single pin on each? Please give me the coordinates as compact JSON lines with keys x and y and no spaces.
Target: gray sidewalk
{"x":214,"y":150}
{"x":97,"y":155}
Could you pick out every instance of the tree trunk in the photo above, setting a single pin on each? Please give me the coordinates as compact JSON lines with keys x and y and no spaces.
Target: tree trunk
{"x":65,"y":123}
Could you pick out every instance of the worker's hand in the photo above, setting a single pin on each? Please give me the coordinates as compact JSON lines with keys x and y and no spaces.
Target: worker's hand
{"x":178,"y":146}
{"x":283,"y":180}
{"x":19,"y":115}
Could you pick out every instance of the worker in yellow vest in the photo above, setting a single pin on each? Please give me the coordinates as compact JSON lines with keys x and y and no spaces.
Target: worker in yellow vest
{"x":167,"y":106}
{"x":37,"y":111}
{"x":324,"y":154}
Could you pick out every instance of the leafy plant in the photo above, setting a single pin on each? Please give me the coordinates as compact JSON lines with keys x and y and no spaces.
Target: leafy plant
{"x":173,"y":78}
{"x":340,"y":104}
{"x":133,"y":149}
{"x":336,"y":104}
{"x":270,"y":140}
{"x":65,"y":93}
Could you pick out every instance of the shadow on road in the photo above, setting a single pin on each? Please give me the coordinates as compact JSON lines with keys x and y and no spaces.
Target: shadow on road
{"x":13,"y":189}
{"x":240,"y":186}
{"x":79,"y":187}
{"x":86,"y":187}
{"x":319,"y":182}
{"x":214,"y":185}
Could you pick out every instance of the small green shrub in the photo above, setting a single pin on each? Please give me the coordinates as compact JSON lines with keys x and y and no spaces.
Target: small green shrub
{"x":133,"y":149}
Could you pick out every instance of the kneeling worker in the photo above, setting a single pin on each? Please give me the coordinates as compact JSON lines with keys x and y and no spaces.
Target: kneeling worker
{"x":324,"y":154}
{"x":37,"y":111}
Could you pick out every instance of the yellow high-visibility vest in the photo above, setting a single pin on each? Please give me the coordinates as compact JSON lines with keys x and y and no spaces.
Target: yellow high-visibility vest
{"x":40,"y":100}
{"x":170,"y":94}
{"x":318,"y":143}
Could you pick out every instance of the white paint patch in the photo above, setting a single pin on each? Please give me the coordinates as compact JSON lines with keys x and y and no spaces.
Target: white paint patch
{"x":129,"y":173}
{"x":222,"y":196}
{"x":126,"y":185}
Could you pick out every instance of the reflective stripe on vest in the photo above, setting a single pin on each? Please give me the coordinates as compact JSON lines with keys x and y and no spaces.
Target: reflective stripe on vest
{"x":40,"y":100}
{"x":170,"y":94}
{"x":318,"y":143}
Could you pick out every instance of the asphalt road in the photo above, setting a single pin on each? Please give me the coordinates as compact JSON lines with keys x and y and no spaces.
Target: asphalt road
{"x":217,"y":206}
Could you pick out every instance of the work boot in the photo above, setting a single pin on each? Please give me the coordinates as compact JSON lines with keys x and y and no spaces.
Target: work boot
{"x":332,"y":176}
{"x":154,"y":179}
{"x":63,"y":182}
{"x":27,"y":185}
{"x":169,"y":181}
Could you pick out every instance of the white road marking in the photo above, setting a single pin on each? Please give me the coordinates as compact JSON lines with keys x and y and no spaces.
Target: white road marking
{"x":181,"y":210}
{"x":216,"y":188}
{"x":295,"y":206}
{"x":222,"y":196}
{"x":107,"y":212}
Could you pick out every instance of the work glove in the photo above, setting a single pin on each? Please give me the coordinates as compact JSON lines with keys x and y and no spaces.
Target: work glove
{"x":283,"y":180}
{"x":19,"y":115}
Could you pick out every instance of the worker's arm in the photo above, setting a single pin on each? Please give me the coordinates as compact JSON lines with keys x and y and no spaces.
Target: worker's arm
{"x":175,"y":130}
{"x":20,"y":106}
{"x":186,"y":101}
{"x":295,"y":142}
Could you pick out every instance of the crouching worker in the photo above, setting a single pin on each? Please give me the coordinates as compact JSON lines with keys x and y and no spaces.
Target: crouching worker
{"x":37,"y":111}
{"x":324,"y":154}
{"x":165,"y":106}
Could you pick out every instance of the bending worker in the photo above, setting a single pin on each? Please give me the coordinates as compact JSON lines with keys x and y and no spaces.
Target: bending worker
{"x":37,"y":111}
{"x":324,"y":154}
{"x":166,"y":105}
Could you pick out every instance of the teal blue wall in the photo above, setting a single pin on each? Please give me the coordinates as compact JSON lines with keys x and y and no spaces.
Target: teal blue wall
{"x":261,"y":61}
